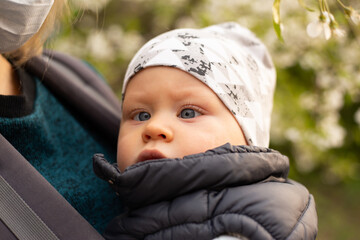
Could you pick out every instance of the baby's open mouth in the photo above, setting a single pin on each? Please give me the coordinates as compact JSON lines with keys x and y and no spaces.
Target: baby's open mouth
{"x":150,"y":155}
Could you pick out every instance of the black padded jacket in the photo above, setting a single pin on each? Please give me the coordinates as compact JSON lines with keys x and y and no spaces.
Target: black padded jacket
{"x":229,"y":190}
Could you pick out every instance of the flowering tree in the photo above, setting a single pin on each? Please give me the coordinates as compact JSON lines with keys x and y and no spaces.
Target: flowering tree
{"x":326,"y":22}
{"x":328,"y":137}
{"x":317,"y":59}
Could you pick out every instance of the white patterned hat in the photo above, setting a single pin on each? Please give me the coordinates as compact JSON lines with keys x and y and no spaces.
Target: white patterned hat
{"x":230,"y":60}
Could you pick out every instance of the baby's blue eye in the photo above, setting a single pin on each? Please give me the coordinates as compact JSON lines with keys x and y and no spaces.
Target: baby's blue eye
{"x":188,"y":113}
{"x":142,"y":116}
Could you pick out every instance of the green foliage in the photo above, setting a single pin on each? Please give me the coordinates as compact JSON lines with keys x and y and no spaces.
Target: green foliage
{"x":276,"y":19}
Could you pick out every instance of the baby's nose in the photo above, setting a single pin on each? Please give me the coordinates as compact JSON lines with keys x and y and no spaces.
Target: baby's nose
{"x":157,"y":131}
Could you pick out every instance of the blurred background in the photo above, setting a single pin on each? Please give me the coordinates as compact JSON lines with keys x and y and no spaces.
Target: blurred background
{"x":316,"y":115}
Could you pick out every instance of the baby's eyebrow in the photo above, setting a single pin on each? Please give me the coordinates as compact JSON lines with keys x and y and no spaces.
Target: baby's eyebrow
{"x":179,"y":95}
{"x":193,"y":91}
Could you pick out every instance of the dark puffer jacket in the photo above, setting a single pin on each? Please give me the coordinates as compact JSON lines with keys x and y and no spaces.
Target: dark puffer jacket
{"x":228,"y":190}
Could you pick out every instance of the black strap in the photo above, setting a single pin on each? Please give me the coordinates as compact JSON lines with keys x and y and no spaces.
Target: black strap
{"x":42,"y":198}
{"x":19,"y":217}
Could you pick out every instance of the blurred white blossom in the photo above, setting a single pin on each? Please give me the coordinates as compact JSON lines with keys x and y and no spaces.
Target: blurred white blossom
{"x":259,"y":7}
{"x":333,"y":99}
{"x":334,"y":134}
{"x":131,"y":42}
{"x":120,"y":43}
{"x":325,"y":80}
{"x":354,"y":16}
{"x":115,"y":35}
{"x":312,"y":60}
{"x":337,"y":32}
{"x":308,"y":101}
{"x":186,"y":22}
{"x":321,"y":25}
{"x":99,"y":46}
{"x":357,"y":117}
{"x":293,"y":134}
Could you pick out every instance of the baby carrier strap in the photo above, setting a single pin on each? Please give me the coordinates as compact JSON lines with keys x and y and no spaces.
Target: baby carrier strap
{"x":81,"y":89}
{"x":30,"y":208}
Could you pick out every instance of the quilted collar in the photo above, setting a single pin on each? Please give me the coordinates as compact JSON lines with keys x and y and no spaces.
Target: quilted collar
{"x":159,"y":180}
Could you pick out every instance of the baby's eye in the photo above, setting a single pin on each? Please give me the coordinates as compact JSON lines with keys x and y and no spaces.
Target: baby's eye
{"x":142,"y":116}
{"x":188,"y":113}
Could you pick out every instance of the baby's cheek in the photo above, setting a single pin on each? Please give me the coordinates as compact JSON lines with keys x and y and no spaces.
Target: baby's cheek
{"x":123,"y":154}
{"x":202,"y":144}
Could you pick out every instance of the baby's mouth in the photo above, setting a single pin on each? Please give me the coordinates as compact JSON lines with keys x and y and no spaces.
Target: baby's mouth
{"x":150,"y":155}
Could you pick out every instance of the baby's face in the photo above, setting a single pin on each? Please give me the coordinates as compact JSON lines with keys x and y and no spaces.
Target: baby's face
{"x":168,"y":113}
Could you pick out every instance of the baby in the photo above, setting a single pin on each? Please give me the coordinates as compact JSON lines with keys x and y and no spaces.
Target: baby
{"x":193,"y":161}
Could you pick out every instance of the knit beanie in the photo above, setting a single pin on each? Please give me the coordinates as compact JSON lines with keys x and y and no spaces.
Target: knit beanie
{"x":230,"y":60}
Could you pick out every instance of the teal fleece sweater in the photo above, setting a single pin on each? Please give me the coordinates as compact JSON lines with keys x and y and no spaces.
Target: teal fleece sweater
{"x":60,"y":148}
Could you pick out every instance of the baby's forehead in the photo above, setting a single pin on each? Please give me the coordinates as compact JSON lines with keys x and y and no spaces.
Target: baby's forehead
{"x":162,"y":79}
